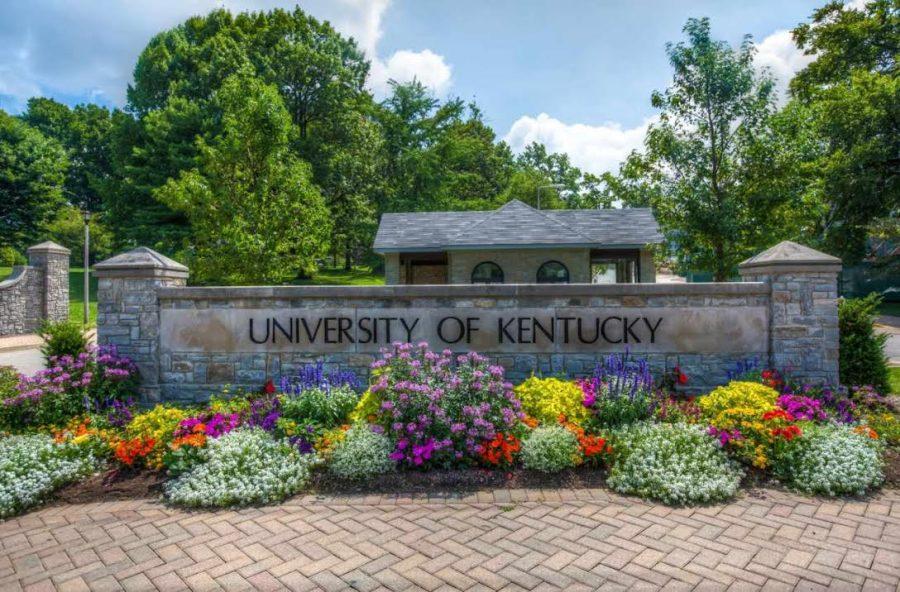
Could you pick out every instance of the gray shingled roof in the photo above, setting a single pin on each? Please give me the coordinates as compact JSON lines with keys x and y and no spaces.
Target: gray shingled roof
{"x":516,"y":225}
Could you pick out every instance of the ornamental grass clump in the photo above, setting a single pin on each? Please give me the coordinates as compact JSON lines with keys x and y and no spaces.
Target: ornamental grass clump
{"x":548,"y":399}
{"x":551,"y":449}
{"x":439,"y":411}
{"x":677,"y":464}
{"x":831,"y":460}
{"x":33,"y":466}
{"x":246,"y":466}
{"x":361,"y":455}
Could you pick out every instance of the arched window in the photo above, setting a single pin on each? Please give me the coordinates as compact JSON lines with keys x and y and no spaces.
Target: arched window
{"x":487,"y":272}
{"x":553,"y":272}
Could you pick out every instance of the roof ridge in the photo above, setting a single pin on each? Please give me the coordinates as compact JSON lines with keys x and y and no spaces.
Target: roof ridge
{"x":531,"y":210}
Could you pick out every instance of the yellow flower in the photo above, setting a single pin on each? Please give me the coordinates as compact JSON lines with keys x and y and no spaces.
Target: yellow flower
{"x":547,"y":398}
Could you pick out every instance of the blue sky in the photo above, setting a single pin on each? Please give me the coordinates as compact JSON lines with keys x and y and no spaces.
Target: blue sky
{"x":576,"y":75}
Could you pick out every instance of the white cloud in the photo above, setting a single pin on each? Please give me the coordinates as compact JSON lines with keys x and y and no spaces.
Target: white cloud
{"x":88,"y":48}
{"x":593,"y":148}
{"x":425,"y":66}
{"x":782,"y":58}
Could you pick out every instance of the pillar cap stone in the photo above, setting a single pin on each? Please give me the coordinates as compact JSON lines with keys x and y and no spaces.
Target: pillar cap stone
{"x":48,"y":247}
{"x":788,"y":256}
{"x":140,"y":262}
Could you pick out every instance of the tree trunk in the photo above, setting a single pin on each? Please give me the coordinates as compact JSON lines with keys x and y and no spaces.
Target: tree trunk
{"x":721,"y":273}
{"x":348,"y":263}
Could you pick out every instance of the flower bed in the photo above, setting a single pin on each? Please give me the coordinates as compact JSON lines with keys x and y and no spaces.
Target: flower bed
{"x":454,"y":417}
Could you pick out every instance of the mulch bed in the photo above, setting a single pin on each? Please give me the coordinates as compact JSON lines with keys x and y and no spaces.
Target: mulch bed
{"x":892,"y":467}
{"x":112,"y":486}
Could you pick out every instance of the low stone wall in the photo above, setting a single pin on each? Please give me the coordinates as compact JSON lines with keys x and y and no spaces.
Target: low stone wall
{"x":37,"y":291}
{"x":189,"y":342}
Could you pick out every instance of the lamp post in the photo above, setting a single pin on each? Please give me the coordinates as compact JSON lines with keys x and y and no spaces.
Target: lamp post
{"x":551,"y":186}
{"x":87,"y":265}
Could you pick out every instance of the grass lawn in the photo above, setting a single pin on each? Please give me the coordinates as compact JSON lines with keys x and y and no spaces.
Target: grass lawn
{"x":76,"y":293}
{"x":894,"y":380}
{"x":358,"y":276}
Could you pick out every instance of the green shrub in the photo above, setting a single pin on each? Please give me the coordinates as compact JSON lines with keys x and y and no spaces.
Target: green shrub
{"x":246,"y":466}
{"x":9,"y":257}
{"x":830,"y":460}
{"x":362,"y":454}
{"x":862,"y":359}
{"x":65,"y":338}
{"x":9,"y":378}
{"x":674,"y":463}
{"x":550,"y":449}
{"x":545,"y":399}
{"x":33,"y":466}
{"x":326,"y":408}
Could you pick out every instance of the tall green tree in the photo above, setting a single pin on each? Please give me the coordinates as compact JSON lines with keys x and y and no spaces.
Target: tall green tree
{"x":85,"y":133}
{"x":32,"y":176}
{"x":256,"y":216}
{"x":701,"y":155}
{"x":852,"y":94}
{"x":560,"y":183}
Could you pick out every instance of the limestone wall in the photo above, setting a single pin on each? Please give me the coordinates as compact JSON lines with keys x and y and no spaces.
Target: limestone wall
{"x":37,"y":291}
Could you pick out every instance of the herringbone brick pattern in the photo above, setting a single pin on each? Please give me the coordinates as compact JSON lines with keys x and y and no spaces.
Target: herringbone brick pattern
{"x":509,"y":540}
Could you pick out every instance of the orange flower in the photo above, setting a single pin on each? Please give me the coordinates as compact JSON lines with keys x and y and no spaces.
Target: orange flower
{"x":195,"y":440}
{"x":865,"y":430}
{"x":128,"y":451}
{"x":777,"y":414}
{"x":501,"y":449}
{"x":530,"y":421}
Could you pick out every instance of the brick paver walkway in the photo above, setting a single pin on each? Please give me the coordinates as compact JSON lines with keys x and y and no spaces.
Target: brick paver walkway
{"x":571,"y":540}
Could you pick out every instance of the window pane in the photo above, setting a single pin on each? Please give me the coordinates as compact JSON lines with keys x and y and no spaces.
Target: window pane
{"x":553,"y":272}
{"x":487,"y":273}
{"x":603,"y":273}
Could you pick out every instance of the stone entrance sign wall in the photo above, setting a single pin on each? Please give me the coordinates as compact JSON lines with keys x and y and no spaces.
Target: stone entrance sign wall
{"x":189,"y":342}
{"x":37,"y":291}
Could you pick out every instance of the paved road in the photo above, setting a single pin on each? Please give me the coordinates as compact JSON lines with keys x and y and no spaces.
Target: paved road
{"x":505,"y":540}
{"x":26,"y":361}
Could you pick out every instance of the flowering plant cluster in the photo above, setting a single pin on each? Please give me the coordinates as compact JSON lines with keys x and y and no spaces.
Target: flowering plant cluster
{"x":33,"y":466}
{"x":831,"y":460}
{"x":70,"y":386}
{"x":361,"y":454}
{"x":245,"y":466}
{"x":675,"y":463}
{"x":551,"y":449}
{"x":620,"y":391}
{"x":501,"y":451}
{"x":546,"y":399}
{"x":437,"y":412}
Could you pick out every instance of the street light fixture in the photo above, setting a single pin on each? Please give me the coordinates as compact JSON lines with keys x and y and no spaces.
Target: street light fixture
{"x":551,"y":186}
{"x":87,"y":265}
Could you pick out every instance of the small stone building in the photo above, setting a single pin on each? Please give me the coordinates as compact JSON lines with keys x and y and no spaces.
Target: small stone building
{"x":517,"y":244}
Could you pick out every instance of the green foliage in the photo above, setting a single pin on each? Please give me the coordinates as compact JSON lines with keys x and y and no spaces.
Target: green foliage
{"x":852,"y":92}
{"x":710,"y":141}
{"x":64,"y":338}
{"x":550,"y":449}
{"x":255,"y":214}
{"x":361,"y":454}
{"x":675,"y":463}
{"x":32,"y":170}
{"x":10,"y":257}
{"x":862,"y":359}
{"x":9,"y":378}
{"x":326,"y":408}
{"x":67,"y":229}
{"x":546,"y":399}
{"x":85,"y":133}
{"x":33,"y":466}
{"x":242,"y":467}
{"x":830,"y":460}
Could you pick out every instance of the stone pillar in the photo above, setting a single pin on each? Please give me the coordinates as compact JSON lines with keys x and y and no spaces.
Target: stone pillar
{"x":53,"y":261}
{"x":803,"y":317}
{"x":128,"y":309}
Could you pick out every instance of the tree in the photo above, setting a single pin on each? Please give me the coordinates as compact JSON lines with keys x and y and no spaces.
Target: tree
{"x":32,"y":173}
{"x":84,"y":132}
{"x":852,"y":93}
{"x":700,"y":157}
{"x":67,"y":228}
{"x":255,"y":213}
{"x":538,"y":168}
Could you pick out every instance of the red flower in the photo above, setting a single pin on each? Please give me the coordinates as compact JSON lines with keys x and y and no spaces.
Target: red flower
{"x":269,"y":389}
{"x":500,"y":450}
{"x":777,"y":414}
{"x":788,"y":433}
